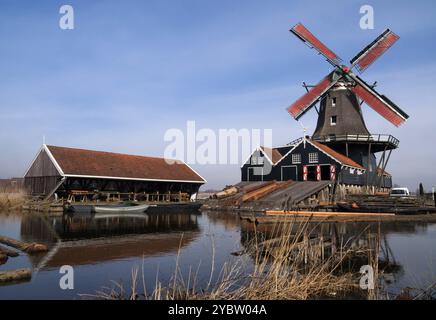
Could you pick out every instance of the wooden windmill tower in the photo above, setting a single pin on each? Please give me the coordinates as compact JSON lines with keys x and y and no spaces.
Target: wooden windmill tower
{"x":340,"y":122}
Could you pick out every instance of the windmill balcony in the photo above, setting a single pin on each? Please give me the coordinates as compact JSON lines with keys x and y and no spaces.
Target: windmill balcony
{"x":386,"y":140}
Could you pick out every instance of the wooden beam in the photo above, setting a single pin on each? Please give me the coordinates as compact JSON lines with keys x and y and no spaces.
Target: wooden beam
{"x":326,"y":214}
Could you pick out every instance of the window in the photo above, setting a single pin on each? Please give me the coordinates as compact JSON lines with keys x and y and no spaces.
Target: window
{"x":253,"y":159}
{"x":256,"y":160}
{"x":333,"y":120}
{"x":296,"y":158}
{"x":334,"y":102}
{"x":313,"y":157}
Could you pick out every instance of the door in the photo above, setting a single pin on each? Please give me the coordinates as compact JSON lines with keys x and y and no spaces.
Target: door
{"x":289,"y":173}
{"x":326,"y":172}
{"x":253,"y":175}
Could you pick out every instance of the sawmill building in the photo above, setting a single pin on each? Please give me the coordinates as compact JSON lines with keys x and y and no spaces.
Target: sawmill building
{"x":65,"y":171}
{"x":309,"y":160}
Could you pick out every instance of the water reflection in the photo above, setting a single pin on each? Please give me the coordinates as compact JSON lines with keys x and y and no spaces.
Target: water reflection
{"x":108,"y":246}
{"x":79,"y":239}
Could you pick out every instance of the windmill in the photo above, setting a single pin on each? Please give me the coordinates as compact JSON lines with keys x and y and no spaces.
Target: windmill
{"x":340,"y":94}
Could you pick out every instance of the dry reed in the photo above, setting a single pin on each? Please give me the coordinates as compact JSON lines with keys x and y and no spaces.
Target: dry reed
{"x":290,"y":267}
{"x":11,"y":201}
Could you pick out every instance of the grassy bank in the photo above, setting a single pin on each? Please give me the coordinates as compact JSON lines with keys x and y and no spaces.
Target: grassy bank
{"x":12,"y":201}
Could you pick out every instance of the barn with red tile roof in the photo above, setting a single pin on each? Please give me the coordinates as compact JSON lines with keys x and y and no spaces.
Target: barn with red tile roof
{"x":63,"y":170}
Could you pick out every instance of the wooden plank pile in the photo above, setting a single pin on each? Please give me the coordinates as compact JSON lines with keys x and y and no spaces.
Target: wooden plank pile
{"x":325,"y":214}
{"x":264,"y":190}
{"x":383,"y":203}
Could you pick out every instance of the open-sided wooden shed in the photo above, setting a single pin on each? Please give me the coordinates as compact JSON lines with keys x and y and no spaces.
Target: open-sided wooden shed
{"x":64,"y":171}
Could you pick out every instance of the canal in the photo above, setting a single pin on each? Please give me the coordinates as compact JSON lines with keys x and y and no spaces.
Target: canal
{"x":103,"y":249}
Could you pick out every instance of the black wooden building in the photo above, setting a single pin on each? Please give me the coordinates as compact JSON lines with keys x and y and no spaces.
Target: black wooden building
{"x":64,"y":170}
{"x":309,"y":160}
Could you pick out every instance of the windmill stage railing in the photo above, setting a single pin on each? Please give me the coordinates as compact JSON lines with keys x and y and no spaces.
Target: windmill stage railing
{"x":365,"y":138}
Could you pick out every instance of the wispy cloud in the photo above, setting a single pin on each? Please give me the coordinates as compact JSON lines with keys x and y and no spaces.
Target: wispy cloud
{"x":133,"y":69}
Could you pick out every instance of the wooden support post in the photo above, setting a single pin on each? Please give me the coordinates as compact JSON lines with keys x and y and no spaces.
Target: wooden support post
{"x":368,"y":164}
{"x":380,"y":163}
{"x":386,"y":162}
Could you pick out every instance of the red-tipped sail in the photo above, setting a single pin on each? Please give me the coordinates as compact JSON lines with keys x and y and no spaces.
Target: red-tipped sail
{"x":302,"y":105}
{"x":374,"y":50}
{"x":381,"y":104}
{"x":306,"y":36}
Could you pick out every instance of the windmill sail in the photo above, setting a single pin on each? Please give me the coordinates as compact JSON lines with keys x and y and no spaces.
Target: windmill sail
{"x":306,"y":36}
{"x":302,"y":105}
{"x":374,"y":50}
{"x":380,"y":103}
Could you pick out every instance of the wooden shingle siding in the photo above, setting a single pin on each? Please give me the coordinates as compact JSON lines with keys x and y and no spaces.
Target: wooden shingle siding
{"x":42,"y":176}
{"x":42,"y":166}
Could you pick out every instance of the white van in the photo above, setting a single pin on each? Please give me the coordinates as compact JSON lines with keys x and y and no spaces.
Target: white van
{"x":400,"y":192}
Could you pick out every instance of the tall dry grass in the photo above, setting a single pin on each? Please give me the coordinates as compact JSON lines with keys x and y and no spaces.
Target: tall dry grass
{"x":12,"y":201}
{"x":289,"y":266}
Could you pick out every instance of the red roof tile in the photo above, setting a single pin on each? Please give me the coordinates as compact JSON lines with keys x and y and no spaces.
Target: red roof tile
{"x":98,"y":163}
{"x":338,"y":156}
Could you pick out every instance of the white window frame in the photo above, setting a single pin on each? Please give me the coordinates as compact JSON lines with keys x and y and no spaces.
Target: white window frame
{"x":333,"y":101}
{"x":257,"y":160}
{"x":331,"y":120}
{"x":296,"y":158}
{"x":313,"y":157}
{"x":253,"y":160}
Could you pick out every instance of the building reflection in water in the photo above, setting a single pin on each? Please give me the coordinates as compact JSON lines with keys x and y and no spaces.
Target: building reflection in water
{"x":81,"y":239}
{"x":368,"y":236}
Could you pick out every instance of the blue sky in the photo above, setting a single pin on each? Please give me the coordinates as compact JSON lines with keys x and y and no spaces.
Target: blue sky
{"x":130,"y":70}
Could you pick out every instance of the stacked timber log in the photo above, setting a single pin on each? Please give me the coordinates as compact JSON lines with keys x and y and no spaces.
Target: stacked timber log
{"x":257,"y":196}
{"x":3,"y":258}
{"x":227,"y":192}
{"x":15,"y":275}
{"x":264,"y":190}
{"x":5,"y":253}
{"x":19,"y":274}
{"x":232,"y":196}
{"x":326,"y":214}
{"x":8,"y":252}
{"x":29,"y":248}
{"x":383,"y":203}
